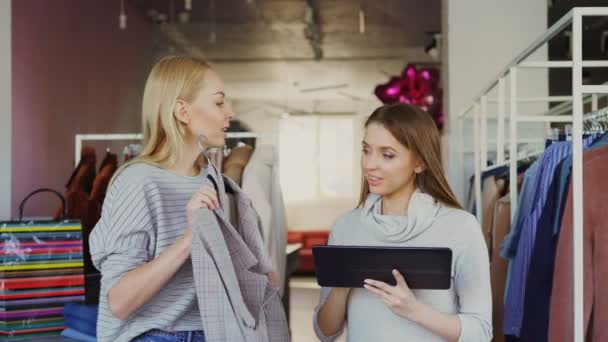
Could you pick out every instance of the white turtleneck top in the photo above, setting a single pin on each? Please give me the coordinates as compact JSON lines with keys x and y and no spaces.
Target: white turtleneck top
{"x":427,"y":224}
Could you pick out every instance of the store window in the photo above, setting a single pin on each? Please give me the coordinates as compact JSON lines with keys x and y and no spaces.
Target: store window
{"x":317,"y":157}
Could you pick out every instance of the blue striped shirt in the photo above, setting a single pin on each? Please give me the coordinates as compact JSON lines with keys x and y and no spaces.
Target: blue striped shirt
{"x":520,"y":263}
{"x":509,"y":245}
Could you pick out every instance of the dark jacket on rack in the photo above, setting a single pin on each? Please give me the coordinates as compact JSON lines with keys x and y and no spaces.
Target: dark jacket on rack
{"x":77,"y":193}
{"x":83,"y":175}
{"x":492,"y":189}
{"x":595,"y":250}
{"x":235,"y":163}
{"x":537,"y":301}
{"x":84,"y":199}
{"x":102,"y":181}
{"x":498,"y":266}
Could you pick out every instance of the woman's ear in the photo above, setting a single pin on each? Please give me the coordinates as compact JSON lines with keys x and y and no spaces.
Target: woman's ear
{"x":419,"y":167}
{"x":181,"y":112}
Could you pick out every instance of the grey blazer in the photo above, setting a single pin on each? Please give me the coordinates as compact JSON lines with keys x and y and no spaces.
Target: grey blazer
{"x":230,"y":265}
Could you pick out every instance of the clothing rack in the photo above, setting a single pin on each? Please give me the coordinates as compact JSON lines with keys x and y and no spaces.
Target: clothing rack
{"x":100,"y":137}
{"x":241,"y":135}
{"x":596,"y":121}
{"x":580,"y":92}
{"x":136,"y":136}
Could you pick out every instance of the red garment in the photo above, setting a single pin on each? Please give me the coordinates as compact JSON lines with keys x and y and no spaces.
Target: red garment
{"x":85,"y":195}
{"x":595,"y":250}
{"x":102,"y":181}
{"x":79,"y":186}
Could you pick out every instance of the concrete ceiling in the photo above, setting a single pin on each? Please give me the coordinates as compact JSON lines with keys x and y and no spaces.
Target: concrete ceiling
{"x":235,"y":30}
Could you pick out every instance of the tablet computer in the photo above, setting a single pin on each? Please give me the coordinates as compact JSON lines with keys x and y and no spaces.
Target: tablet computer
{"x":427,"y":268}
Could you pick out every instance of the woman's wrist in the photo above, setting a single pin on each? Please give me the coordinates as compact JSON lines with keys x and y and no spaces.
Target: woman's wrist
{"x":418,"y":312}
{"x":342,"y":290}
{"x":183,"y":246}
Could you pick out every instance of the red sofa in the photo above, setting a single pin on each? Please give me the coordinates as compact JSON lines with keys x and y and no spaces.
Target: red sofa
{"x":307,"y":238}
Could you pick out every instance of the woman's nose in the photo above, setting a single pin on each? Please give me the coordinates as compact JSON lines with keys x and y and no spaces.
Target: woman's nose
{"x":369,"y":163}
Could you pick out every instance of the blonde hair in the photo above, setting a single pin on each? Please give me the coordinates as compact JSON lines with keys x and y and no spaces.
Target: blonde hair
{"x":173,"y":78}
{"x":416,"y":130}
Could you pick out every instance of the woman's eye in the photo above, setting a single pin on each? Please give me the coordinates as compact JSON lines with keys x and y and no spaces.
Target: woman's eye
{"x":220,"y":104}
{"x":389,"y":156}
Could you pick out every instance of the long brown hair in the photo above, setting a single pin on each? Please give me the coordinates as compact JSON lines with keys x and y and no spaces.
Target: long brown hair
{"x":416,"y":130}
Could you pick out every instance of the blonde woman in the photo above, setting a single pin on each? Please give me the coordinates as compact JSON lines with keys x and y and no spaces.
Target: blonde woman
{"x":142,"y":243}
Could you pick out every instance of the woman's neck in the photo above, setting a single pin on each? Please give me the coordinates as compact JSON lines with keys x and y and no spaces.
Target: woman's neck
{"x":397,"y":202}
{"x":186,"y":165}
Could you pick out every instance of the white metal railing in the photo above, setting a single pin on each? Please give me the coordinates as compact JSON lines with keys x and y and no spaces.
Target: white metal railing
{"x":580,"y":94}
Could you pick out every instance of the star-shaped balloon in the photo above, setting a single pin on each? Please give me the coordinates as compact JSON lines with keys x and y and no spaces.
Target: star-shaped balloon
{"x":416,"y":86}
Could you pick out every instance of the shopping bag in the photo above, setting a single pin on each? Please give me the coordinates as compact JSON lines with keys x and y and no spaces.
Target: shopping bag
{"x":41,"y":270}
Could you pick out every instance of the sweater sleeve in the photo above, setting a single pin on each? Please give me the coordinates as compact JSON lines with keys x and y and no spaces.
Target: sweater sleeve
{"x":323,"y":298}
{"x":123,"y":237}
{"x":472,"y":285}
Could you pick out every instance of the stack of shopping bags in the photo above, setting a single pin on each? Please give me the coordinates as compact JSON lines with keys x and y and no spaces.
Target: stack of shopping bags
{"x":41,"y":270}
{"x":80,"y":322}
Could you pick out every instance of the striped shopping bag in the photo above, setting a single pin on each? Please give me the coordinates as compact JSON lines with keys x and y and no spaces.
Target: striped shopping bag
{"x":41,"y":270}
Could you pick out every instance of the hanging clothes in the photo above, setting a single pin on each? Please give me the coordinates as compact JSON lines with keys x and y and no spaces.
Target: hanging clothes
{"x":470,"y":203}
{"x":595,"y":249}
{"x":261,"y":184}
{"x":234,"y":165}
{"x":498,"y":266}
{"x":538,"y":287}
{"x":80,"y":180}
{"x":515,"y":294}
{"x":77,"y":194}
{"x":565,"y":181}
{"x":492,"y":190}
{"x":102,"y":180}
{"x":94,"y":205}
{"x":523,"y":206}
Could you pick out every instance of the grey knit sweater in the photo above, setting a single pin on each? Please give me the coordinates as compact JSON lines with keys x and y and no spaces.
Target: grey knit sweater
{"x":427,"y":224}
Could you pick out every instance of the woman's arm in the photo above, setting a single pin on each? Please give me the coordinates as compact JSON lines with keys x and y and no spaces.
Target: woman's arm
{"x":332,"y":313}
{"x":136,"y":287}
{"x":402,"y":301}
{"x":139,"y":285}
{"x":442,"y":324}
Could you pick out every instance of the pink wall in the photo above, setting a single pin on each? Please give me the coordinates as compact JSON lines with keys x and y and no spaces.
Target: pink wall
{"x":73,"y":72}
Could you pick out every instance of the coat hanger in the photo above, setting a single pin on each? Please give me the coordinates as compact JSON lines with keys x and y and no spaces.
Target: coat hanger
{"x":596,"y":122}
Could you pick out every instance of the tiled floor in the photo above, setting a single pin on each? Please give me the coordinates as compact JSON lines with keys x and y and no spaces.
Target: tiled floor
{"x":304,"y":297}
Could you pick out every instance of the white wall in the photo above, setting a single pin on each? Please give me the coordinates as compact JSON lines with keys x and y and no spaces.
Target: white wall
{"x":263,"y":91}
{"x":482,"y":37}
{"x":5,"y":109}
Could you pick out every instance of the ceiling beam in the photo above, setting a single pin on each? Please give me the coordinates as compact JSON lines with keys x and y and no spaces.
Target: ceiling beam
{"x":312,"y":31}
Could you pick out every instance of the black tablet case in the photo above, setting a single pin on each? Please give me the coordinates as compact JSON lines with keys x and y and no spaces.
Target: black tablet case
{"x":348,"y":266}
